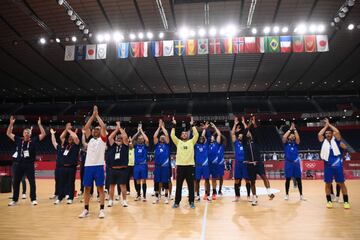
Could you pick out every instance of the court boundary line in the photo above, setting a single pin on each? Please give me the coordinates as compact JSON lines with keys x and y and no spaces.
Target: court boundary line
{"x":203,"y":229}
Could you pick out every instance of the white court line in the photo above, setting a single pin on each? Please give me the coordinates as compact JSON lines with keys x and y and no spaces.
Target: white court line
{"x":203,"y":230}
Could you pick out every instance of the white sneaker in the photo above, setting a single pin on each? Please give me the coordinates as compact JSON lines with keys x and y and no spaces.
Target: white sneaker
{"x":336,"y":199}
{"x":302,"y":198}
{"x":332,"y":197}
{"x":127,"y":193}
{"x":286,"y":198}
{"x":23,"y":196}
{"x":67,"y":197}
{"x":197,"y":198}
{"x":166,"y":201}
{"x":57,"y":202}
{"x":69,"y":201}
{"x":124,"y":203}
{"x":249,"y":199}
{"x":237,"y":199}
{"x":110,"y":203}
{"x":34,"y":203}
{"x":156,"y":201}
{"x":84,"y":214}
{"x":138,"y":198}
{"x":144,"y":199}
{"x":117,"y":198}
{"x":12,"y":203}
{"x":102,"y":213}
{"x":254,"y":201}
{"x":153,"y":194}
{"x":209,"y":199}
{"x":171,"y":197}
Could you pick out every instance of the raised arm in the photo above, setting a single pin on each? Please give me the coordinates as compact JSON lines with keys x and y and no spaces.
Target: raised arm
{"x":156,"y":134}
{"x":83,"y":138}
{"x":9,"y":130}
{"x":233,"y":130}
{"x":218,"y":133}
{"x":244,"y":122}
{"x":297,"y":136}
{"x":146,"y":139}
{"x":166,"y":133}
{"x":42,"y":130}
{"x":323,"y":130}
{"x":74,"y":136}
{"x":65,"y":132}
{"x":194,"y":130}
{"x":335,"y":131}
{"x":53,"y":138}
{"x":123,"y":133}
{"x":89,"y":122}
{"x":112,"y":136}
{"x":101,"y":123}
{"x":172,"y":133}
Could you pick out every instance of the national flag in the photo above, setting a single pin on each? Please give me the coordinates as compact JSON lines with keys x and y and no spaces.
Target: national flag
{"x":272,"y":44}
{"x":190,"y":47}
{"x":226,"y":45}
{"x":69,"y":53}
{"x":298,"y":43}
{"x":238,"y":45}
{"x":310,"y":43}
{"x":168,"y":48}
{"x":260,"y":44}
{"x":135,"y":49}
{"x":322,"y":43}
{"x":123,"y":50}
{"x":101,"y":51}
{"x":144,"y":49}
{"x":214,"y":46}
{"x":156,"y":48}
{"x":285,"y":44}
{"x":203,"y":46}
{"x":179,"y":47}
{"x":250,"y":45}
{"x":80,"y":52}
{"x":90,"y":52}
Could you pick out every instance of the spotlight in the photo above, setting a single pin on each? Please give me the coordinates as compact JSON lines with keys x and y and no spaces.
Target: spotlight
{"x":253,"y":30}
{"x":320,"y":28}
{"x":345,"y":9}
{"x":149,"y":35}
{"x":67,"y":39}
{"x":230,"y":30}
{"x":212,"y":31}
{"x":301,"y":28}
{"x":78,"y":23}
{"x":73,"y":17}
{"x":81,"y":27}
{"x":183,"y":32}
{"x":350,"y":3}
{"x":222,"y":31}
{"x":51,"y":40}
{"x":192,"y":33}
{"x":202,"y":32}
{"x":57,"y":40}
{"x":107,"y":37}
{"x":100,"y":38}
{"x":118,"y":37}
{"x":312,"y":28}
{"x":84,"y":39}
{"x":140,"y":35}
{"x":266,"y":30}
{"x":336,"y":19}
{"x":351,"y":26}
{"x":161,"y":35}
{"x":342,"y":14}
{"x":60,"y":2}
{"x":42,"y":40}
{"x":86,"y":31}
{"x":284,"y":29}
{"x":332,"y":24}
{"x":73,"y":38}
{"x":70,"y":12}
{"x":276,"y":29}
{"x":132,"y":36}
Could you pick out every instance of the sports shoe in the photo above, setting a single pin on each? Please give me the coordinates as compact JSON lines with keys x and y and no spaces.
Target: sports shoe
{"x":332,"y":197}
{"x":286,"y":198}
{"x":166,"y":201}
{"x":254,"y":202}
{"x":23,"y":196}
{"x":138,"y":198}
{"x":69,"y":201}
{"x":197,"y":198}
{"x":144,"y":199}
{"x":34,"y":203}
{"x":12,"y":203}
{"x":117,"y":198}
{"x":110,"y":203}
{"x":153,"y":194}
{"x":156,"y":201}
{"x":220,"y":193}
{"x":249,"y":199}
{"x":124,"y":203}
{"x":237,"y":199}
{"x":192,"y":205}
{"x":127,"y":193}
{"x":336,"y":199}
{"x":101,"y":213}
{"x":84,"y":214}
{"x":271,"y":196}
{"x":57,"y":202}
{"x":53,"y":197}
{"x":209,"y":199}
{"x":302,"y":198}
{"x":213,"y":197}
{"x":175,"y":205}
{"x":205,"y":197}
{"x":346,"y":205}
{"x":66,"y":197}
{"x":329,"y":204}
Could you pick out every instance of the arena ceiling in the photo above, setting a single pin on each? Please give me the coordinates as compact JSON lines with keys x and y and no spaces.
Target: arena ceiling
{"x":31,"y":70}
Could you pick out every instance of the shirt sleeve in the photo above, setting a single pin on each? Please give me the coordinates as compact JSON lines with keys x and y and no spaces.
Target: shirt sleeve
{"x":104,"y":138}
{"x":196,"y":135}
{"x":35,"y":139}
{"x":173,"y":137}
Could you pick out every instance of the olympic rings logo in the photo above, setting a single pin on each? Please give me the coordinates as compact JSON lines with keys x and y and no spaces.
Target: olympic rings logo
{"x":310,"y":165}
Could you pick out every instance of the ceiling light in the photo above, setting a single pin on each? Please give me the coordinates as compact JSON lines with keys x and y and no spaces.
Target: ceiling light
{"x":81,"y":27}
{"x":73,"y":38}
{"x":149,"y":35}
{"x":253,"y":30}
{"x":132,"y":36}
{"x":266,"y":30}
{"x":107,"y":37}
{"x":312,"y":28}
{"x":86,"y":31}
{"x":202,"y":32}
{"x":276,"y":29}
{"x":78,"y":23}
{"x":345,"y":9}
{"x":301,"y":28}
{"x":350,"y":3}
{"x":212,"y":31}
{"x":192,"y":33}
{"x":336,"y":19}
{"x":183,"y":32}
{"x":70,"y":12}
{"x":321,"y":28}
{"x":230,"y":30}
{"x":73,"y":17}
{"x":118,"y":37}
{"x":57,"y":40}
{"x":284,"y":29}
{"x":161,"y":35}
{"x":140,"y":35}
{"x":42,"y":40}
{"x":60,"y":2}
{"x":351,"y":26}
{"x":100,"y":38}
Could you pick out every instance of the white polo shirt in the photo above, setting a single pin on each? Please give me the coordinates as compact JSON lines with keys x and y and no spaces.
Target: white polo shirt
{"x":95,"y":154}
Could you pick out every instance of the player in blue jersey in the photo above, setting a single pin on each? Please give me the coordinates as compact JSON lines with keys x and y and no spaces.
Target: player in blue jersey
{"x":140,"y":144}
{"x":240,"y":169}
{"x":221,"y":163}
{"x":202,"y":165}
{"x":292,"y":169}
{"x":162,"y":162}
{"x":331,"y":153}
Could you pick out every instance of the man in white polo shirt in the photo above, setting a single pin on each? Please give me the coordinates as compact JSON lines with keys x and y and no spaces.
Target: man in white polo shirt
{"x":94,"y":163}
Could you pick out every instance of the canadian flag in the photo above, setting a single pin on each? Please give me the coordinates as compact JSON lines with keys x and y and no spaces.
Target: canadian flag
{"x":90,"y":52}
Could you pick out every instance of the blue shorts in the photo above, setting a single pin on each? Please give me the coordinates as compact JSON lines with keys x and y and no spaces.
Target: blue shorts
{"x":202,"y":172}
{"x":161,"y":174}
{"x":221,"y":170}
{"x":214,"y":171}
{"x":240,"y":170}
{"x":336,"y":173}
{"x":92,"y":173}
{"x":292,"y":169}
{"x":140,"y":171}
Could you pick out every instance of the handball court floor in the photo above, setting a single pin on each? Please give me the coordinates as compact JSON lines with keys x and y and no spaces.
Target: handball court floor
{"x":221,"y":219}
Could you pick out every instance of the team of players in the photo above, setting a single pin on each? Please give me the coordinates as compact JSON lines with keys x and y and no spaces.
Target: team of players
{"x":208,"y":161}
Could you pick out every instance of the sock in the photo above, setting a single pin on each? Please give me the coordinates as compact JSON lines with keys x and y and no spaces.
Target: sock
{"x":346,"y":198}
{"x":268,"y":191}
{"x":237,"y":189}
{"x":214,"y":191}
{"x":137,"y":186}
{"x":157,"y":194}
{"x":101,"y":206}
{"x":338,"y":188}
{"x":87,"y":207}
{"x":287,"y":185}
{"x":144,"y":189}
{"x":248,"y":188}
{"x":166,"y":194}
{"x":299,"y":183}
{"x":328,"y":198}
{"x":332,"y":190}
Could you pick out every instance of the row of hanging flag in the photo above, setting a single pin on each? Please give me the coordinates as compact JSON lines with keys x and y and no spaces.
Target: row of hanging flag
{"x":192,"y":47}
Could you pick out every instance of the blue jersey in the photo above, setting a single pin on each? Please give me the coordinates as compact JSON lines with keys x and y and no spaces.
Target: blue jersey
{"x":334,"y":161}
{"x":140,"y":153}
{"x":162,"y":153}
{"x":220,"y":154}
{"x":239,"y":151}
{"x":291,"y":150}
{"x":213,"y":152}
{"x":201,"y":154}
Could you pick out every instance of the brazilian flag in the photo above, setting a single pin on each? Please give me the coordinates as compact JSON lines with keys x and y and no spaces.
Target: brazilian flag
{"x":272,"y":44}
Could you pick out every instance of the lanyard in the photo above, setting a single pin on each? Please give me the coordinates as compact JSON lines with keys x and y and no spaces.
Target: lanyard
{"x":22,"y":146}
